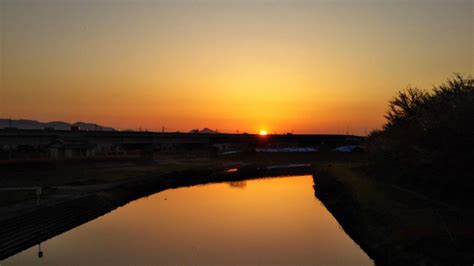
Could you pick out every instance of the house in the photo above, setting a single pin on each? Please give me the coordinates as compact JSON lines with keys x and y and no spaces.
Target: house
{"x":60,"y":149}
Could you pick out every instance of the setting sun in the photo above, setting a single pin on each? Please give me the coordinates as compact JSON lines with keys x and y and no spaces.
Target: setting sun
{"x":263,"y":132}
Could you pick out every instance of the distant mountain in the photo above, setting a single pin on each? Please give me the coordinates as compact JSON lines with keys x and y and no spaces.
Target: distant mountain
{"x":207,"y":131}
{"x":21,"y":123}
{"x":92,"y":127}
{"x":203,"y":131}
{"x":56,"y":125}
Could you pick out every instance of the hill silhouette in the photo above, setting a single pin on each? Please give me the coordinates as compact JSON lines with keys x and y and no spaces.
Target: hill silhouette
{"x":56,"y":125}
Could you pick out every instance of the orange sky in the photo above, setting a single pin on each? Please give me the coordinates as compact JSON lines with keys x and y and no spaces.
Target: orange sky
{"x":308,"y":67}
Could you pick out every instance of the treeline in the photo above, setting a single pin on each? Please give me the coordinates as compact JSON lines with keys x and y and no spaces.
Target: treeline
{"x":428,"y":140}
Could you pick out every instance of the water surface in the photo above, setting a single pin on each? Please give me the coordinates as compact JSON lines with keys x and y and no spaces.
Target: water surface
{"x":265,"y":221}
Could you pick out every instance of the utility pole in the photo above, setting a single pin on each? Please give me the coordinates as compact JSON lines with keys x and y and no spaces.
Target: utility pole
{"x":40,"y":252}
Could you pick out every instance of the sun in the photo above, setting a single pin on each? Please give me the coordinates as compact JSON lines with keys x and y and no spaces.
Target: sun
{"x":263,"y":132}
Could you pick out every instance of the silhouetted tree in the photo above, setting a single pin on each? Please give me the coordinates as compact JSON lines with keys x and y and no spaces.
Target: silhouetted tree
{"x":428,"y":139}
{"x":405,"y":106}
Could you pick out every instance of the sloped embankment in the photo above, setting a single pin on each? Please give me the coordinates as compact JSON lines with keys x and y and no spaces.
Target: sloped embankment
{"x":394,"y":232}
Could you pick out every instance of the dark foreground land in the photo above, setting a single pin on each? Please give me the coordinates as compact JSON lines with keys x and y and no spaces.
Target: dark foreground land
{"x":75,"y":193}
{"x":394,"y":226}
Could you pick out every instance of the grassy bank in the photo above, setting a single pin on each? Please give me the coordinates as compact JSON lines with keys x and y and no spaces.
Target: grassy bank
{"x":394,"y":226}
{"x":67,"y":179}
{"x":63,"y":179}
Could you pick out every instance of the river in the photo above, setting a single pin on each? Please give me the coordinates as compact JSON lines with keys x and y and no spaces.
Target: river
{"x":263,"y":221}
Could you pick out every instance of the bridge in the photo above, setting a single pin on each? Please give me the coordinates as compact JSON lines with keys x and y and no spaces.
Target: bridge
{"x":18,"y":144}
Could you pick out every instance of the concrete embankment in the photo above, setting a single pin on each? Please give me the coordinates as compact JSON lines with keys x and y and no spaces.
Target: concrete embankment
{"x":44,"y":222}
{"x":33,"y":227}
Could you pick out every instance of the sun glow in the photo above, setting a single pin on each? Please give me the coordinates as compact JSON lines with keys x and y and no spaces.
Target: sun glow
{"x":263,"y":132}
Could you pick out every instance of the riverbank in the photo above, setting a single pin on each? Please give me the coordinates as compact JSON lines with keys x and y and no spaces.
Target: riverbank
{"x":24,"y":227}
{"x":392,"y":225}
{"x":60,"y":180}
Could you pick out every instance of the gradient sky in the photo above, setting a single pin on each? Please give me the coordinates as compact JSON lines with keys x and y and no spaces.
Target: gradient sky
{"x":302,"y":66}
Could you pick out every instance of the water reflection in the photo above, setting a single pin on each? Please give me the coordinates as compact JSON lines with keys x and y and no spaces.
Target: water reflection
{"x":238,"y":184}
{"x":271,"y":221}
{"x":232,"y":170}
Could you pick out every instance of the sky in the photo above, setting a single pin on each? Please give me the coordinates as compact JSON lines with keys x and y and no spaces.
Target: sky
{"x":236,"y":66}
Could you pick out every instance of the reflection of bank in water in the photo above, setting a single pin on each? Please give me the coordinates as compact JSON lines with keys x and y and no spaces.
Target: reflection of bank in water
{"x":238,"y":184}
